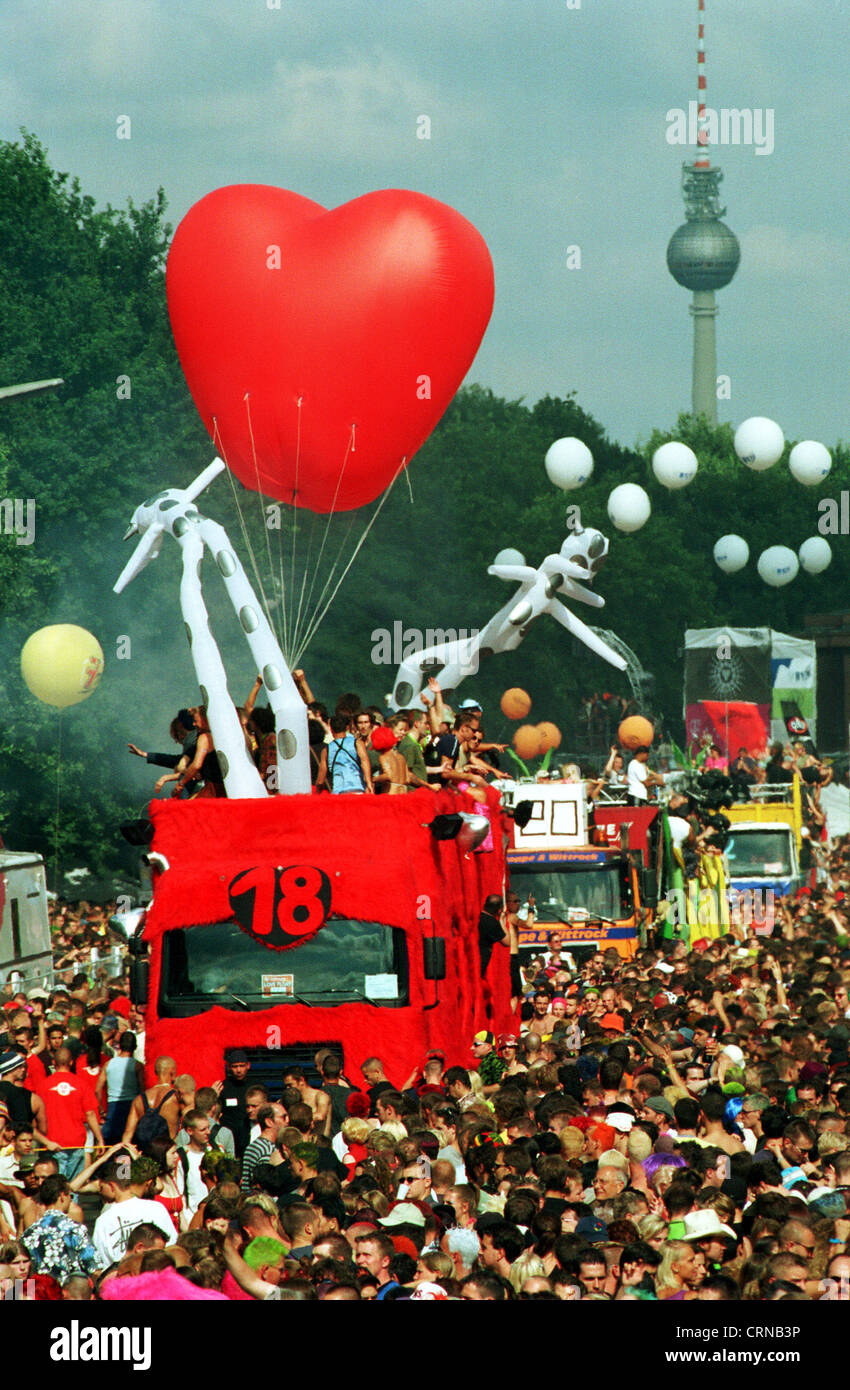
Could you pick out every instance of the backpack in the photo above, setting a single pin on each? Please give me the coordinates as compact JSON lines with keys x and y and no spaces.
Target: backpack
{"x":152,"y":1125}
{"x":348,"y":753}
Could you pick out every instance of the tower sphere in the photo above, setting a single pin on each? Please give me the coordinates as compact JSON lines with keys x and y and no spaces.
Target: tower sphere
{"x":703,"y":254}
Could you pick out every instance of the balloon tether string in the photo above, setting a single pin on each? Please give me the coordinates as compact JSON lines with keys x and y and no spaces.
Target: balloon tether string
{"x":58,"y":808}
{"x":327,"y":527}
{"x":217,"y":440}
{"x":263,"y":518}
{"x":318,"y":620}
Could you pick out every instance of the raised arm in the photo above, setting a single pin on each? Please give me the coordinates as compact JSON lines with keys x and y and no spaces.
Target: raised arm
{"x":717,"y":1001}
{"x":776,"y":971}
{"x":439,"y":706}
{"x":303,"y":687}
{"x":83,"y":1178}
{"x":433,"y":721}
{"x":252,"y":698}
{"x":245,"y":1276}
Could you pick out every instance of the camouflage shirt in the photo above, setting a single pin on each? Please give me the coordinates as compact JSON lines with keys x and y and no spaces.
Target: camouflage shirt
{"x":491,"y":1069}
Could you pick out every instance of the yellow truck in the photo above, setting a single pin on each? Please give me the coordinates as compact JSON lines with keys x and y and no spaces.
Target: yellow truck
{"x":763,"y":852}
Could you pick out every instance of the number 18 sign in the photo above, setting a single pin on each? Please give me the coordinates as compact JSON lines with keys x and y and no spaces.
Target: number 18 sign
{"x":281,"y":908}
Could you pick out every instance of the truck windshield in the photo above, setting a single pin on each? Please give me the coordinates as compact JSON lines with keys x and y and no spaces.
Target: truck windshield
{"x":759,"y":853}
{"x":220,"y":964}
{"x":564,"y":893}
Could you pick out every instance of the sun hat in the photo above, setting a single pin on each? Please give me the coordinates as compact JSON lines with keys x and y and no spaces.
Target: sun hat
{"x":404,"y":1214}
{"x":699,"y":1225}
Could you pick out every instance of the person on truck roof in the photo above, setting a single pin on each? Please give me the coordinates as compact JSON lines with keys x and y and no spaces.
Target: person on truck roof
{"x":715,"y":762}
{"x":345,"y":763}
{"x":744,"y":768}
{"x":780,"y":766}
{"x":614,"y":775}
{"x":640,"y":780}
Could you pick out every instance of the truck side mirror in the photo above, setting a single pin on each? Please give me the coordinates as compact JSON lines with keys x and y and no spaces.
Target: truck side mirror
{"x":139,"y":972}
{"x":434,"y":957}
{"x":648,"y":887}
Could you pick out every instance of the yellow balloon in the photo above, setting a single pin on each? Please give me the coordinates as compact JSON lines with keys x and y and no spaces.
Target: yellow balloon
{"x":62,"y":664}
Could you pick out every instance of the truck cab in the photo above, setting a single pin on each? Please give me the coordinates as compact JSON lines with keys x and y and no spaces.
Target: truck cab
{"x":763,"y":851}
{"x":281,"y":926}
{"x":587,"y":870}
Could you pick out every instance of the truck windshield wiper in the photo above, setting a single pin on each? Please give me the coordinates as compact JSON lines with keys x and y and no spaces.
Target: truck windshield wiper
{"x":353,"y":994}
{"x":229,"y":995}
{"x":267,"y":1000}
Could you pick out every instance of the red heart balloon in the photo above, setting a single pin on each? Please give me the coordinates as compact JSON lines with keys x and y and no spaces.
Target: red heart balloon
{"x":322,"y":347}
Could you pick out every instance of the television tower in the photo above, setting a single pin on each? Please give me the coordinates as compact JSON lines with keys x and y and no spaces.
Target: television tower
{"x":703,"y":253}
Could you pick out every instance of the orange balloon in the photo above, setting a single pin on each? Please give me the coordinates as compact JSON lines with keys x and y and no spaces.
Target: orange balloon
{"x":527,"y":741}
{"x":636,"y":732}
{"x":515,"y":703}
{"x":550,"y":736}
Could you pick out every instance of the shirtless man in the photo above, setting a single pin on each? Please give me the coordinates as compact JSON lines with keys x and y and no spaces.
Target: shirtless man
{"x":542,"y":1021}
{"x":318,"y":1101}
{"x":512,"y":923}
{"x":30,"y":1209}
{"x":166,"y":1072}
{"x":395,"y":774}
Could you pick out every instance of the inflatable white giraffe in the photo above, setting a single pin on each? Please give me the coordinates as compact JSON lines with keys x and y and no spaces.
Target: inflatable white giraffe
{"x":172,"y":512}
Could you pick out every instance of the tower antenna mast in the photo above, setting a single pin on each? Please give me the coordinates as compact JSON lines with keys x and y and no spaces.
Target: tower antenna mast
{"x":703,"y":159}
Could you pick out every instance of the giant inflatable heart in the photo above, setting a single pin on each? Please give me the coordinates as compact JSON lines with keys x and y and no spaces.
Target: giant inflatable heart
{"x":322,"y":347}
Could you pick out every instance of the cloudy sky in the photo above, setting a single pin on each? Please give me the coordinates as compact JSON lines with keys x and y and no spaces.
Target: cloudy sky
{"x":548,"y":130}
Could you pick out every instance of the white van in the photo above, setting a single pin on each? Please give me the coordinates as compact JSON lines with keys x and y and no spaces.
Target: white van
{"x":25,"y":946}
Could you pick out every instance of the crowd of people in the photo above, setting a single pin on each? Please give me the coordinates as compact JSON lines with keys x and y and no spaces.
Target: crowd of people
{"x":357,"y":748}
{"x":668,"y":1127}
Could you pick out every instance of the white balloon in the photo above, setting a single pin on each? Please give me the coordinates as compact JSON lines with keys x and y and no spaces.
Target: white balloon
{"x":731,"y":553}
{"x":809,"y":462}
{"x":674,"y":465}
{"x":778,"y":565}
{"x":815,"y":555}
{"x":759,"y":443}
{"x":629,"y":507}
{"x":569,"y":463}
{"x":509,"y":557}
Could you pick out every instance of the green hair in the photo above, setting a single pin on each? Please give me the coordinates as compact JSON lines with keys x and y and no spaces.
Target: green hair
{"x":142,"y":1169}
{"x":263,"y":1251}
{"x":307,"y":1152}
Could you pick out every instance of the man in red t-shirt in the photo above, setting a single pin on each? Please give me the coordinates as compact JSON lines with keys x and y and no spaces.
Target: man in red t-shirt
{"x":23,"y":1039}
{"x":68,"y":1102}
